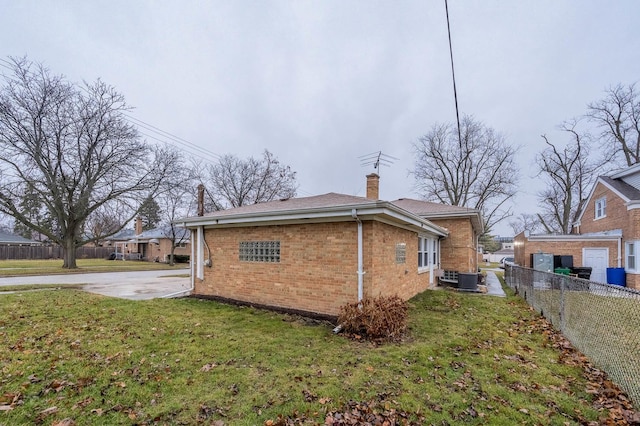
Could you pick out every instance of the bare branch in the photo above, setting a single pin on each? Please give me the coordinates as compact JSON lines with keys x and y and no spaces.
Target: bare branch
{"x":569,"y":173}
{"x":618,"y":116}
{"x":477,"y":172}
{"x":72,"y":149}
{"x":233,"y":182}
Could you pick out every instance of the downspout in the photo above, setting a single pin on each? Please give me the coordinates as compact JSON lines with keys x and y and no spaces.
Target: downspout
{"x":191,"y":270}
{"x":476,"y":255}
{"x":200,"y":254}
{"x":360,"y":272}
{"x":431,"y":260}
{"x":619,"y":251}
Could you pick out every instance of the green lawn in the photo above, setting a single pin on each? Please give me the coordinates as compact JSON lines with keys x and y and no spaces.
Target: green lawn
{"x":470,"y":359}
{"x":10,"y":268}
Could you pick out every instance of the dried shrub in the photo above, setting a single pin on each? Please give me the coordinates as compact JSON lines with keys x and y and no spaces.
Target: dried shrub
{"x":383,"y":317}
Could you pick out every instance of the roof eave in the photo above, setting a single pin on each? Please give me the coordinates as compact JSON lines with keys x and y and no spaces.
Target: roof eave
{"x":335,"y":213}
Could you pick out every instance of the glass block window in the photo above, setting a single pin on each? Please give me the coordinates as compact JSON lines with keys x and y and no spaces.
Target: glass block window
{"x":259,"y":251}
{"x":401,"y":253}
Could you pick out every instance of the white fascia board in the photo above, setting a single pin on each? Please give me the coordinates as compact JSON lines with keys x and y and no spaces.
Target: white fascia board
{"x":417,"y":223}
{"x":471,"y":213}
{"x":588,"y":200}
{"x":610,"y":188}
{"x":373,"y":211}
{"x":614,"y":236}
{"x":633,"y":204}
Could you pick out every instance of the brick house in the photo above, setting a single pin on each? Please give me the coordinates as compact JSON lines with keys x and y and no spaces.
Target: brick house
{"x":315,"y":254}
{"x":153,"y":245}
{"x":11,"y":239}
{"x":606,"y":234}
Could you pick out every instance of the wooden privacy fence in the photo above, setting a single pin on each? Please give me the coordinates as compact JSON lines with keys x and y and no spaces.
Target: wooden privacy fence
{"x":51,"y":252}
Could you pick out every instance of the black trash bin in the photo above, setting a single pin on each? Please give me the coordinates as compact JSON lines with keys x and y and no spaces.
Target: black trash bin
{"x":582,"y":272}
{"x":467,"y":281}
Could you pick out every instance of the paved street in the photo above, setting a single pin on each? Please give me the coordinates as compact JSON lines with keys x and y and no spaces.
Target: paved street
{"x":135,"y":285}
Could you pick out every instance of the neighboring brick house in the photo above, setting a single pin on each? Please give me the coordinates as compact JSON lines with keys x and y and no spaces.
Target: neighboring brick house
{"x":315,"y":254}
{"x":11,"y":239}
{"x":606,"y":234}
{"x":153,"y":245}
{"x":598,"y":250}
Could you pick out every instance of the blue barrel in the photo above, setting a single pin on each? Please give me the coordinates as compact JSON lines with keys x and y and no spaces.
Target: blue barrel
{"x":616,"y":276}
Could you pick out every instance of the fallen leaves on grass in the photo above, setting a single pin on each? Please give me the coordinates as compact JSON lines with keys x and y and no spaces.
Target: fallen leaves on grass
{"x":607,"y":395}
{"x":374,"y":412}
{"x":8,"y":401}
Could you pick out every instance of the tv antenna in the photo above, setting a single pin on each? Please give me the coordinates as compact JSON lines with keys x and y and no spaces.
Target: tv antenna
{"x":377,"y":159}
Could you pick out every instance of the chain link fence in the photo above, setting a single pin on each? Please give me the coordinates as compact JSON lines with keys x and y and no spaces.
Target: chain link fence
{"x":602,"y":321}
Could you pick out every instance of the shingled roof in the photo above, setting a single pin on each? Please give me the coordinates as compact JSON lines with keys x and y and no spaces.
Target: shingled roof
{"x":326,"y":207}
{"x":433,"y":211}
{"x":627,"y":191}
{"x":13,"y":239}
{"x":331,"y":199}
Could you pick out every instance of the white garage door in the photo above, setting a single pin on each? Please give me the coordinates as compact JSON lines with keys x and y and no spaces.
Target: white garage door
{"x":598,"y":260}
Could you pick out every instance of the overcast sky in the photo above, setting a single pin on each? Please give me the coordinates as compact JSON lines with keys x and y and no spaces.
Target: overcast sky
{"x":322,"y":83}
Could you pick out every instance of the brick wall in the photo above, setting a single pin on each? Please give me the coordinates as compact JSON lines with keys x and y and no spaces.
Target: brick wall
{"x":617,"y":216}
{"x":386,"y":276}
{"x":317,"y":268}
{"x":573,"y":248}
{"x":458,"y":252}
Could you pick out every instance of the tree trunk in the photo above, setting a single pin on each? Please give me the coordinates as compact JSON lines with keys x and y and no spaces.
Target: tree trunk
{"x":69,"y":253}
{"x":171,"y":259}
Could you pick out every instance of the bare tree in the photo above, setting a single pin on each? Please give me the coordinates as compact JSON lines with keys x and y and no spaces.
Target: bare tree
{"x":618,"y":115}
{"x":569,"y":173}
{"x":177,"y":200}
{"x":72,"y":147}
{"x":105,"y":221}
{"x":477,"y":171}
{"x":525,"y":222}
{"x":233,"y":182}
{"x":6,"y":223}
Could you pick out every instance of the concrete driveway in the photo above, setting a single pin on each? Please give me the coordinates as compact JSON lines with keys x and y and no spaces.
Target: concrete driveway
{"x":135,"y":285}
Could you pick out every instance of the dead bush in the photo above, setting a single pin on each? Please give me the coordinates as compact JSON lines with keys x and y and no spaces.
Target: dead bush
{"x":383,"y":317}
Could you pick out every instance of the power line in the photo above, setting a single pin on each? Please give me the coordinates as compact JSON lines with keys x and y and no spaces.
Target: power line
{"x":170,"y":136}
{"x":453,"y":74}
{"x":157,"y":134}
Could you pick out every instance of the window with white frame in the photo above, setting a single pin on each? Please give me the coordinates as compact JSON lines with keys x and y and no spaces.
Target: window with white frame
{"x":435,"y":252}
{"x":423,"y":252}
{"x":631,"y":248}
{"x":427,"y":252}
{"x":601,"y":207}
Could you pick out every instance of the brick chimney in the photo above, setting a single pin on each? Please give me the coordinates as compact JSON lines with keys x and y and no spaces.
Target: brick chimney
{"x":138,"y":225}
{"x":373,"y":185}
